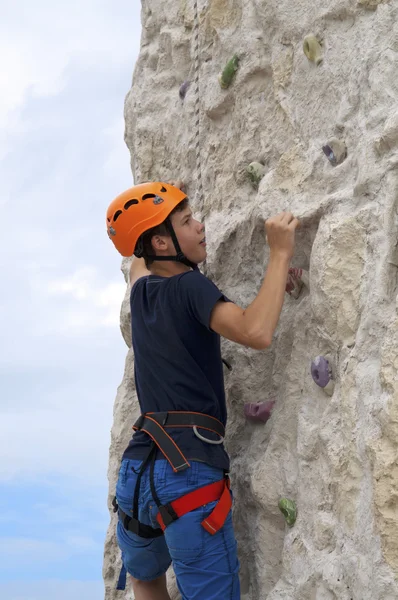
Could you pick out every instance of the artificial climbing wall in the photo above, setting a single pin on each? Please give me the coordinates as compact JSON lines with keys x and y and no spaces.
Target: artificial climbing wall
{"x":310,"y":98}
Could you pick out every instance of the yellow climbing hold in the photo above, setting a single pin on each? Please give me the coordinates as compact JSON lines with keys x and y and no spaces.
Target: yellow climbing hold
{"x":370,"y":4}
{"x":312,"y":49}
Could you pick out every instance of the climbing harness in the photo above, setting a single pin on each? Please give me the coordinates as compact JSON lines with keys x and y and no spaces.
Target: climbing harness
{"x":155,"y":424}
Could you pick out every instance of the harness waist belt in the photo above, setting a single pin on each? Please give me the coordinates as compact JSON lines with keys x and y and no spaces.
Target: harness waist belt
{"x":155,"y":424}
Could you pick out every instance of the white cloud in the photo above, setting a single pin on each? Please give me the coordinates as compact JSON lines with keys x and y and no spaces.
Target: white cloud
{"x":27,"y":68}
{"x":92,"y":305}
{"x":41,"y":40}
{"x":78,"y":285}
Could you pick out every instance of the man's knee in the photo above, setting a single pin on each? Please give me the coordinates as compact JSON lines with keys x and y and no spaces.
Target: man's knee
{"x":139,"y":584}
{"x":150,"y":590}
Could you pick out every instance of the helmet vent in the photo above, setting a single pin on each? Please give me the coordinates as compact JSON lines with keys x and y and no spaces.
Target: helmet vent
{"x":130,"y":203}
{"x":117,"y":215}
{"x":146,"y":196}
{"x":163,"y":189}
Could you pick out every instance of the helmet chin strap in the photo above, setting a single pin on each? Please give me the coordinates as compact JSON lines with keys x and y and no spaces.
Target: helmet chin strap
{"x":180,"y":257}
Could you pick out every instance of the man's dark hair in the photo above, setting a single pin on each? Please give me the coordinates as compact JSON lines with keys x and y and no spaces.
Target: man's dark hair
{"x":161,"y":229}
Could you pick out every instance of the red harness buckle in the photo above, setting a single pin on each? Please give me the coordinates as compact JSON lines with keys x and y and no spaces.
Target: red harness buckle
{"x":208,"y":493}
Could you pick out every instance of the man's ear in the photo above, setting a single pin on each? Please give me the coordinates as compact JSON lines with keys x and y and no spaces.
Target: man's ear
{"x":159,"y":242}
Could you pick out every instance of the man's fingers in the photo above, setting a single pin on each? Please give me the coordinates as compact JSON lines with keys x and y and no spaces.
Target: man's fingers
{"x":287,"y":217}
{"x":177,"y":183}
{"x":295,"y":223}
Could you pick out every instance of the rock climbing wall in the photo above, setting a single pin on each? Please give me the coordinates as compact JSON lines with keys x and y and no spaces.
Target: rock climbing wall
{"x":297,"y":111}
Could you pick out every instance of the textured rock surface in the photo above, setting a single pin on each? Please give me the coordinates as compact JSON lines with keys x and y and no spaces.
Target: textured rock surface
{"x":336,"y":457}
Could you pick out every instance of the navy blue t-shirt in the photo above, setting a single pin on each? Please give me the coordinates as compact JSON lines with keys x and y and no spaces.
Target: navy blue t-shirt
{"x":177,"y":359}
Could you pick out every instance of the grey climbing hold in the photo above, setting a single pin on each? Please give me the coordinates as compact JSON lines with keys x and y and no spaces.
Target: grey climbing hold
{"x":256,"y":172}
{"x":296,"y":280}
{"x":183,"y":89}
{"x":312,"y":49}
{"x":289,"y":510}
{"x":322,"y":374}
{"x":369,"y":4}
{"x":260,"y":411}
{"x":227,"y":364}
{"x":336,"y":151}
{"x":226,"y":77}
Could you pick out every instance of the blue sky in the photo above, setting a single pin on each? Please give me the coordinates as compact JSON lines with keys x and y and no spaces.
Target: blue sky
{"x":66,"y":68}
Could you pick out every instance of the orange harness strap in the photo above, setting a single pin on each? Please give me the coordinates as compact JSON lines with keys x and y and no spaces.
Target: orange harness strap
{"x":209,"y":493}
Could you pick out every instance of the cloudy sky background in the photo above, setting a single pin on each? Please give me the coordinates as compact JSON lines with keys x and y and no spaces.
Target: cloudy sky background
{"x":66,"y":68}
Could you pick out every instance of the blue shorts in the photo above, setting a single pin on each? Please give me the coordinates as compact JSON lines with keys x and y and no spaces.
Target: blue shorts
{"x":206,"y":566}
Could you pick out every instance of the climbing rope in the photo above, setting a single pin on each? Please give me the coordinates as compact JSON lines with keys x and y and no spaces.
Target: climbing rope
{"x":199,"y":191}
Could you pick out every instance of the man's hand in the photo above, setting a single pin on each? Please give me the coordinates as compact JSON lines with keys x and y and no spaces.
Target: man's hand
{"x":137,"y":270}
{"x":178,"y":184}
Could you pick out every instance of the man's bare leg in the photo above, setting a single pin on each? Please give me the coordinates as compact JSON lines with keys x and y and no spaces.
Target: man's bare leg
{"x":151,"y":590}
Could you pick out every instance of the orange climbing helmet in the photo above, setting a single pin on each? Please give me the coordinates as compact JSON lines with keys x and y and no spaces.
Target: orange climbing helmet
{"x":137,"y":210}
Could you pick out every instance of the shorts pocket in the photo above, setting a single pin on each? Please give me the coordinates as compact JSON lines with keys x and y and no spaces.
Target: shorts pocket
{"x":208,"y":474}
{"x":129,"y":541}
{"x":186,"y":537}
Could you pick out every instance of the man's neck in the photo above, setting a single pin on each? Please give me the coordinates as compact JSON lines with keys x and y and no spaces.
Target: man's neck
{"x":168,"y":268}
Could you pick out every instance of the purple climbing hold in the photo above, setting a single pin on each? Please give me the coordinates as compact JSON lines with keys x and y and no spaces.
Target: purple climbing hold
{"x":183,"y":89}
{"x":336,"y":151}
{"x":320,"y":371}
{"x":322,"y":374}
{"x":260,"y":411}
{"x":330,"y":154}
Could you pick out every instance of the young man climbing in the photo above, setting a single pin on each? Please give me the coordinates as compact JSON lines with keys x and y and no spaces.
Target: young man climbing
{"x":172,"y":495}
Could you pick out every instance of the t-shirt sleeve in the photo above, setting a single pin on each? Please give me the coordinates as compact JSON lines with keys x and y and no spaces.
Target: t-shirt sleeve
{"x":199,"y":295}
